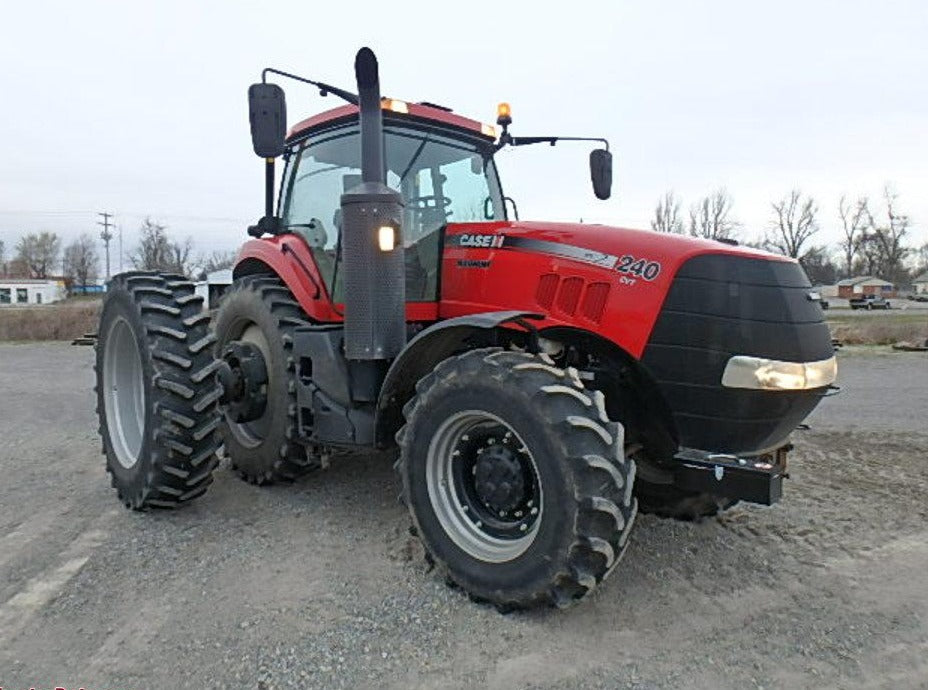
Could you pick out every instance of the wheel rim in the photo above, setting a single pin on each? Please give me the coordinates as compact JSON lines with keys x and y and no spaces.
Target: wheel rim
{"x":484,"y":486}
{"x":124,"y":393}
{"x":252,"y":434}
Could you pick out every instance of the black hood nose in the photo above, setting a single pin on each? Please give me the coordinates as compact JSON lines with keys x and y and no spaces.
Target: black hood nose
{"x":720,"y":306}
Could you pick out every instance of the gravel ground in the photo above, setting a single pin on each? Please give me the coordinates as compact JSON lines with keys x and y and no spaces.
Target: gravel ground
{"x":320,"y":585}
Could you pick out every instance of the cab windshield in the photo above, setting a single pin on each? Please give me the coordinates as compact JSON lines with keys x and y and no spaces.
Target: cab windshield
{"x":442,"y":178}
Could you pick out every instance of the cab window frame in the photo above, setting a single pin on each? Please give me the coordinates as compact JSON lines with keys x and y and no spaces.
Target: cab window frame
{"x":350,"y":126}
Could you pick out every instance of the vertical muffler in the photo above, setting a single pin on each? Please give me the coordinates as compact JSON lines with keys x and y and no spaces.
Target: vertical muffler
{"x":372,"y":243}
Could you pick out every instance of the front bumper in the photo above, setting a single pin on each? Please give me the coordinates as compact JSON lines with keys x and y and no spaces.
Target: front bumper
{"x":755,"y":479}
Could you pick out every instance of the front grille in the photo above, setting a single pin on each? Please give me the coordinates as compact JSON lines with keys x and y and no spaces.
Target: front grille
{"x":720,"y":306}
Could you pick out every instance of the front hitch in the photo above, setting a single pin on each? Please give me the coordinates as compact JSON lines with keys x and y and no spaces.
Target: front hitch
{"x":756,"y":479}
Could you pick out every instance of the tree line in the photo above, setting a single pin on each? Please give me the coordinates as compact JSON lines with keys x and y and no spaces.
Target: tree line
{"x":875,"y":237}
{"x":42,"y":255}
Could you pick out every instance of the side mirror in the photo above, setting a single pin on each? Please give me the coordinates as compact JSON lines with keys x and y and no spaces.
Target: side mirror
{"x":267,"y":113}
{"x":601,"y":173}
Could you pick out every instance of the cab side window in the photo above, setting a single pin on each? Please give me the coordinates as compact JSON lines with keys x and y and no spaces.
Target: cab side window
{"x":318,"y":176}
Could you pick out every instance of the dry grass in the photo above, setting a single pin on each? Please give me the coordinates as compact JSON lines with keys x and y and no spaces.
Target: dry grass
{"x":60,"y":321}
{"x":879,"y":329}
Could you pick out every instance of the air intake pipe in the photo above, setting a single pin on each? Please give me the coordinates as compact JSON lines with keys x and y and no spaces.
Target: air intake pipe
{"x":372,"y":246}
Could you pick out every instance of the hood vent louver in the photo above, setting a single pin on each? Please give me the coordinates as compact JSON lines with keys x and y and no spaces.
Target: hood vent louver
{"x":547,"y":289}
{"x":565,"y":296}
{"x":569,"y":295}
{"x":594,"y":301}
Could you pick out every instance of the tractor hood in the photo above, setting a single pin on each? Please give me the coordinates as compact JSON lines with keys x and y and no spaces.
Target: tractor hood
{"x":689,"y":309}
{"x":560,"y":268}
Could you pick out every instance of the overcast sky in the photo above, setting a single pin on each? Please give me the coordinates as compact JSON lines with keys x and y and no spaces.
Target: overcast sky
{"x":139,"y":108}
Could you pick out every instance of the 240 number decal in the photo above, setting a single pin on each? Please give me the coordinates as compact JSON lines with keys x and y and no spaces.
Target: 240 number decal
{"x":641,"y":268}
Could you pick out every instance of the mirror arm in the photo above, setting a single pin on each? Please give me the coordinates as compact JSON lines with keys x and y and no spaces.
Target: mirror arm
{"x":269,"y":224}
{"x":324,"y":89}
{"x":268,"y":186}
{"x":525,"y":141}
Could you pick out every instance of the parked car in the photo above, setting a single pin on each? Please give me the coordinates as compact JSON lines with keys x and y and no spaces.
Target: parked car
{"x":869,"y":302}
{"x":817,"y":297}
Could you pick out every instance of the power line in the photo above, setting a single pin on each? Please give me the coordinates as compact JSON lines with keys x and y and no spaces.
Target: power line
{"x":243,"y":220}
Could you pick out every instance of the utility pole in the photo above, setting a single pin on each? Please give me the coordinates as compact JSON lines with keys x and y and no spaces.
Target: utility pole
{"x":106,"y":236}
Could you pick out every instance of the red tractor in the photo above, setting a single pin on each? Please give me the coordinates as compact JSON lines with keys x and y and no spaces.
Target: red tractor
{"x":540,"y":381}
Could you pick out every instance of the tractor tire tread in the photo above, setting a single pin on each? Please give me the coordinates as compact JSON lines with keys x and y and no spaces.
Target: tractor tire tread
{"x":180,"y":402}
{"x":603,"y":509}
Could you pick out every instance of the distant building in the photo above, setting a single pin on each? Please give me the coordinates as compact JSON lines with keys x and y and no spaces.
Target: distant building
{"x":921,"y":284}
{"x":213,"y":287}
{"x":97,"y":287}
{"x":15,"y":291}
{"x":865,"y":285}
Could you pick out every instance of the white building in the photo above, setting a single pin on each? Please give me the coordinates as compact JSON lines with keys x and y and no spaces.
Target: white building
{"x":15,"y":291}
{"x":215,"y":285}
{"x":921,"y":284}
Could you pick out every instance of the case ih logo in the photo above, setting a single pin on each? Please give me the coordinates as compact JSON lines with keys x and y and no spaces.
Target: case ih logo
{"x":481,"y":241}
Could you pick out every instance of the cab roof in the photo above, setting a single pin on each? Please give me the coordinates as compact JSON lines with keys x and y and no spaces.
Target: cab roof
{"x":418,"y":111}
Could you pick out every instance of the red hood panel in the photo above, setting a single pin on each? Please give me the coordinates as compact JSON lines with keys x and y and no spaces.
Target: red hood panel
{"x":609,"y":280}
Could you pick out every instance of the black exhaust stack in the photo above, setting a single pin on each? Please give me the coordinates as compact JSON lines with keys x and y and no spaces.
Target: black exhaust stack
{"x":372,"y":246}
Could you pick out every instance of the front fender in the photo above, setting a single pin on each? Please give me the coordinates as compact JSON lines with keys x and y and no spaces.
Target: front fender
{"x":429,"y":347}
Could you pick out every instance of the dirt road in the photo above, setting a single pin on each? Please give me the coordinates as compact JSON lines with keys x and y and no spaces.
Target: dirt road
{"x":319,"y":585}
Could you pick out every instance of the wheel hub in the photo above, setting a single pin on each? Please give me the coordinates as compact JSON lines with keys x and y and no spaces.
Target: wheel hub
{"x":499,"y":480}
{"x":243,"y":375}
{"x":484,"y":486}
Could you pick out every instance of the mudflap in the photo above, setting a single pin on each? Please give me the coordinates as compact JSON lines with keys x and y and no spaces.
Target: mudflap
{"x":755,"y":479}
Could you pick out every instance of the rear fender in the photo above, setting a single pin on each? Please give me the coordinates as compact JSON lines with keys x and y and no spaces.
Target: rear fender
{"x":431,"y":346}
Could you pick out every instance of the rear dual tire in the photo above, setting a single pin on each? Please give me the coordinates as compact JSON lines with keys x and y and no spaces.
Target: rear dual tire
{"x":157,"y":394}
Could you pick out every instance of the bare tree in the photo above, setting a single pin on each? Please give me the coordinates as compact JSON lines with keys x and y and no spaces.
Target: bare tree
{"x":158,"y":252}
{"x":2,"y":258}
{"x":818,"y":266}
{"x":667,"y":214}
{"x":217,"y":261}
{"x":921,"y":259}
{"x":38,"y":253}
{"x":889,"y":238}
{"x":710,"y":217}
{"x":869,"y":260}
{"x":854,"y":221}
{"x":794,"y":223}
{"x":81,"y":260}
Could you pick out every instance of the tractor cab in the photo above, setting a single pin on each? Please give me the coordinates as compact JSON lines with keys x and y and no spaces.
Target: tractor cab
{"x":441,"y":164}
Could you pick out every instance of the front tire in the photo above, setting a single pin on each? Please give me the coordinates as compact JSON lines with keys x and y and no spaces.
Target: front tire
{"x":515,"y":478}
{"x":157,"y":391}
